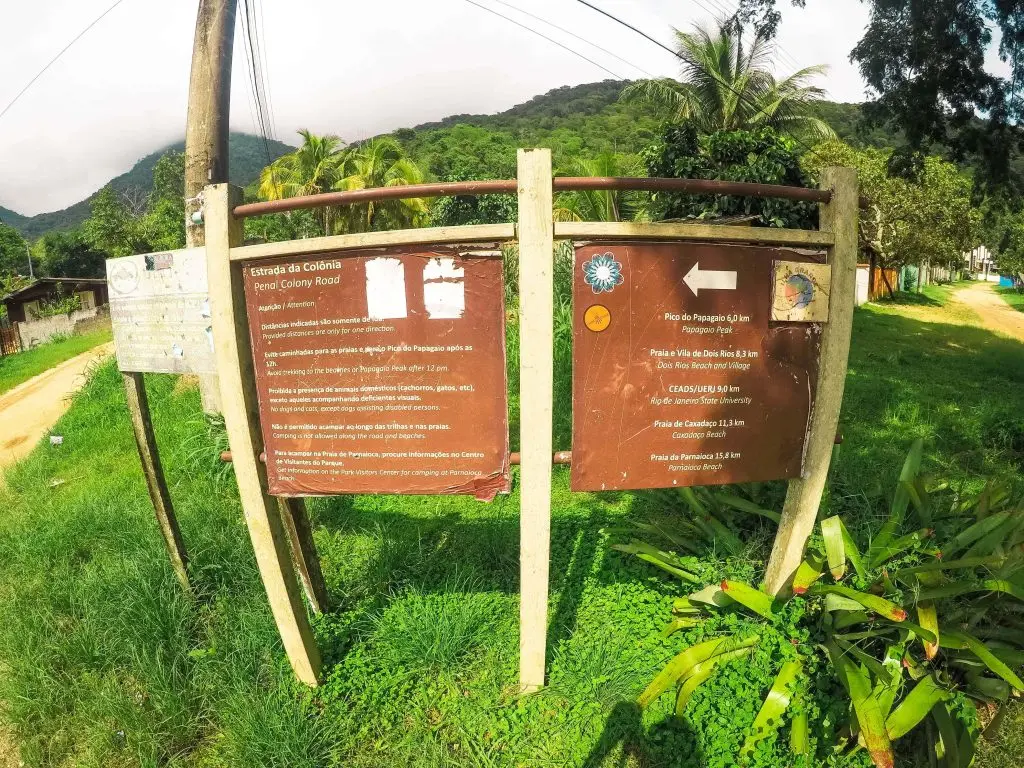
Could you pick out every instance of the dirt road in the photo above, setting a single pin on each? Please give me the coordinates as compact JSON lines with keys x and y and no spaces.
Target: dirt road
{"x":995,"y":314}
{"x":31,"y":408}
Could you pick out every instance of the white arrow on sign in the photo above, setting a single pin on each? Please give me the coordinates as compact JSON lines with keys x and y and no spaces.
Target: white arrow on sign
{"x":709,"y":279}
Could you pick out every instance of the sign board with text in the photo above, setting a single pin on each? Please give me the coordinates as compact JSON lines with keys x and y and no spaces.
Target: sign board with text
{"x":381,"y":371}
{"x":680,"y":375}
{"x":160,"y":312}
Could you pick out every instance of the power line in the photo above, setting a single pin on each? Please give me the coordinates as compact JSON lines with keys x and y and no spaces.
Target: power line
{"x":62,"y":51}
{"x":573,"y":34}
{"x":266,"y":66}
{"x":255,"y":75}
{"x":549,"y":39}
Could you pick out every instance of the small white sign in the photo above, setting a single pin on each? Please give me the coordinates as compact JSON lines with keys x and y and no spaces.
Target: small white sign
{"x":159,"y":310}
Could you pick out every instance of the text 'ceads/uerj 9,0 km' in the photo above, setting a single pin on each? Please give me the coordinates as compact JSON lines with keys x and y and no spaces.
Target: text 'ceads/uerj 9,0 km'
{"x":693,"y":364}
{"x":381,"y":372}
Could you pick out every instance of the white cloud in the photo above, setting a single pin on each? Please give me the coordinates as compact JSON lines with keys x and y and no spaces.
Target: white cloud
{"x":354,"y":69}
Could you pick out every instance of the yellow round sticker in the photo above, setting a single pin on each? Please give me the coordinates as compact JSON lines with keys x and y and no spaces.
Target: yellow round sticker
{"x":597,"y":317}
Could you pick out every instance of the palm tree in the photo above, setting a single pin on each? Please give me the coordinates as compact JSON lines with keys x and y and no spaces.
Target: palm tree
{"x":381,"y":162}
{"x":601,"y":205}
{"x":315,"y":167}
{"x":727,"y":87}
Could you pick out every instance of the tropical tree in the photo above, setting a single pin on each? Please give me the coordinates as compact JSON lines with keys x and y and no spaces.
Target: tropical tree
{"x":317,"y":166}
{"x":924,"y":217}
{"x":726,"y":86}
{"x":13,"y":256}
{"x":381,"y":162}
{"x":602,"y":205}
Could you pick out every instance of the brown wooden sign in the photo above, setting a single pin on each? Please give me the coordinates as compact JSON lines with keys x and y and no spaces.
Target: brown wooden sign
{"x":381,"y":371}
{"x":680,"y":377}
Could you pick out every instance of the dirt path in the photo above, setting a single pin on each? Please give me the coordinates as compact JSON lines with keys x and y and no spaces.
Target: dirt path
{"x":31,"y":408}
{"x":995,"y":314}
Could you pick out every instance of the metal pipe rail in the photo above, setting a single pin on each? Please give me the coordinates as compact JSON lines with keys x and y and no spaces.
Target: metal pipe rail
{"x":559,"y":184}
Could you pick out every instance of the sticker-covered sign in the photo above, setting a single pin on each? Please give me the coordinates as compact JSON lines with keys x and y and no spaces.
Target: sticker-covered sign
{"x":680,"y":375}
{"x":381,"y":371}
{"x":160,"y":312}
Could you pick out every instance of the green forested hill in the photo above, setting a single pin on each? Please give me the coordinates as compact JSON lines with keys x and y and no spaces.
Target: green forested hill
{"x":573,"y":121}
{"x":247,"y":157}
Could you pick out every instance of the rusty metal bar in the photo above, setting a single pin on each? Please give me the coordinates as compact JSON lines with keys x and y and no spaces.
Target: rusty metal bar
{"x":692,"y":186}
{"x":559,"y":184}
{"x":354,"y":197}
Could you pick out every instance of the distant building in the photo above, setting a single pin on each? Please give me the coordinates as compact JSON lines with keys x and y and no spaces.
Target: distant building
{"x":29,"y":303}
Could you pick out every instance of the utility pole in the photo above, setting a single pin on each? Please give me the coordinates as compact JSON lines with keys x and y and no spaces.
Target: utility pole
{"x":206,"y":132}
{"x":29,"y":252}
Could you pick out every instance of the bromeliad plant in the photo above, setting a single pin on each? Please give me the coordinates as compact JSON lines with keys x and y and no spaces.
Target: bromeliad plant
{"x":885,"y":624}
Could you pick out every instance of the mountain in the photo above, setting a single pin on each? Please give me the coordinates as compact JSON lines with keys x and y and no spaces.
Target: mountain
{"x":572,"y":121}
{"x":247,"y":156}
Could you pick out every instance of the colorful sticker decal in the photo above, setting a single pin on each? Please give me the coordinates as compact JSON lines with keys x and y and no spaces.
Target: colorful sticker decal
{"x":597,"y":317}
{"x":801,"y":291}
{"x":602,"y":273}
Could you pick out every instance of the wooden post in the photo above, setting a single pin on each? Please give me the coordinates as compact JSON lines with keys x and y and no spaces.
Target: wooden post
{"x":241,"y":417}
{"x":804,"y":494}
{"x":145,"y":439}
{"x":307,"y":560}
{"x":536,"y":387}
{"x":206,"y":129}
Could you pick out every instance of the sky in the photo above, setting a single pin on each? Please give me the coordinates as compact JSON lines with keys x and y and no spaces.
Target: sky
{"x":354,"y":69}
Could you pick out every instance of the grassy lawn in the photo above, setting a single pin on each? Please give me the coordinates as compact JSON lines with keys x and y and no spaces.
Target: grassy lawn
{"x":15,"y":369}
{"x":103,"y":662}
{"x":1012,"y":297}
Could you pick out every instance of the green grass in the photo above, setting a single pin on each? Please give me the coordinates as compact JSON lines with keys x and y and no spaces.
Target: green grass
{"x":18,"y":368}
{"x":1013,"y":297}
{"x":103,"y":662}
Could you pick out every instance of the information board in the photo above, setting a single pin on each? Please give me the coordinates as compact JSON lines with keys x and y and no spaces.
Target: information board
{"x":381,"y":371}
{"x":680,"y":376}
{"x":160,"y":312}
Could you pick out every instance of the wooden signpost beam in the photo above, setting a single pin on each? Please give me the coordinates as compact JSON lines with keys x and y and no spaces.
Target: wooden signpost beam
{"x":307,"y":559}
{"x":241,"y":417}
{"x":145,"y":440}
{"x":840,"y":218}
{"x":536,"y":387}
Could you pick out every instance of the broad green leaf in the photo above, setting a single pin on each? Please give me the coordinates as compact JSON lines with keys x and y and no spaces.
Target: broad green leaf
{"x":947,"y":732}
{"x":898,"y":546}
{"x":967,"y":587}
{"x":666,"y":561}
{"x":835,"y":548}
{"x":723,"y":537}
{"x":712,"y":595}
{"x":974,"y":532}
{"x":849,"y":619}
{"x":928,"y":618}
{"x":684,"y":662}
{"x":952,"y":565}
{"x":901,"y":499}
{"x":799,"y":733}
{"x":808,"y":573}
{"x":852,"y":552}
{"x":994,"y":541}
{"x":679,"y":623}
{"x":753,"y":599}
{"x":745,"y":505}
{"x":886,"y":692}
{"x":915,"y":707}
{"x":700,"y":673}
{"x":983,"y":653}
{"x":693,"y":502}
{"x":874,"y":665}
{"x":835,"y":602}
{"x":857,"y":682}
{"x":874,"y":603}
{"x":988,"y":688}
{"x":769,"y":717}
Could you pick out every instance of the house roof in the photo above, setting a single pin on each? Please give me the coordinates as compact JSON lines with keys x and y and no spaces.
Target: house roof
{"x":55,"y":281}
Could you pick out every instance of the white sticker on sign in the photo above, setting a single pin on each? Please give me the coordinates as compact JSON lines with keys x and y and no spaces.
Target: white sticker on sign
{"x":385,"y":289}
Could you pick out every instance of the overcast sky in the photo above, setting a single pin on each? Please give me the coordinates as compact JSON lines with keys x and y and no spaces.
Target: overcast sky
{"x":350,"y":68}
